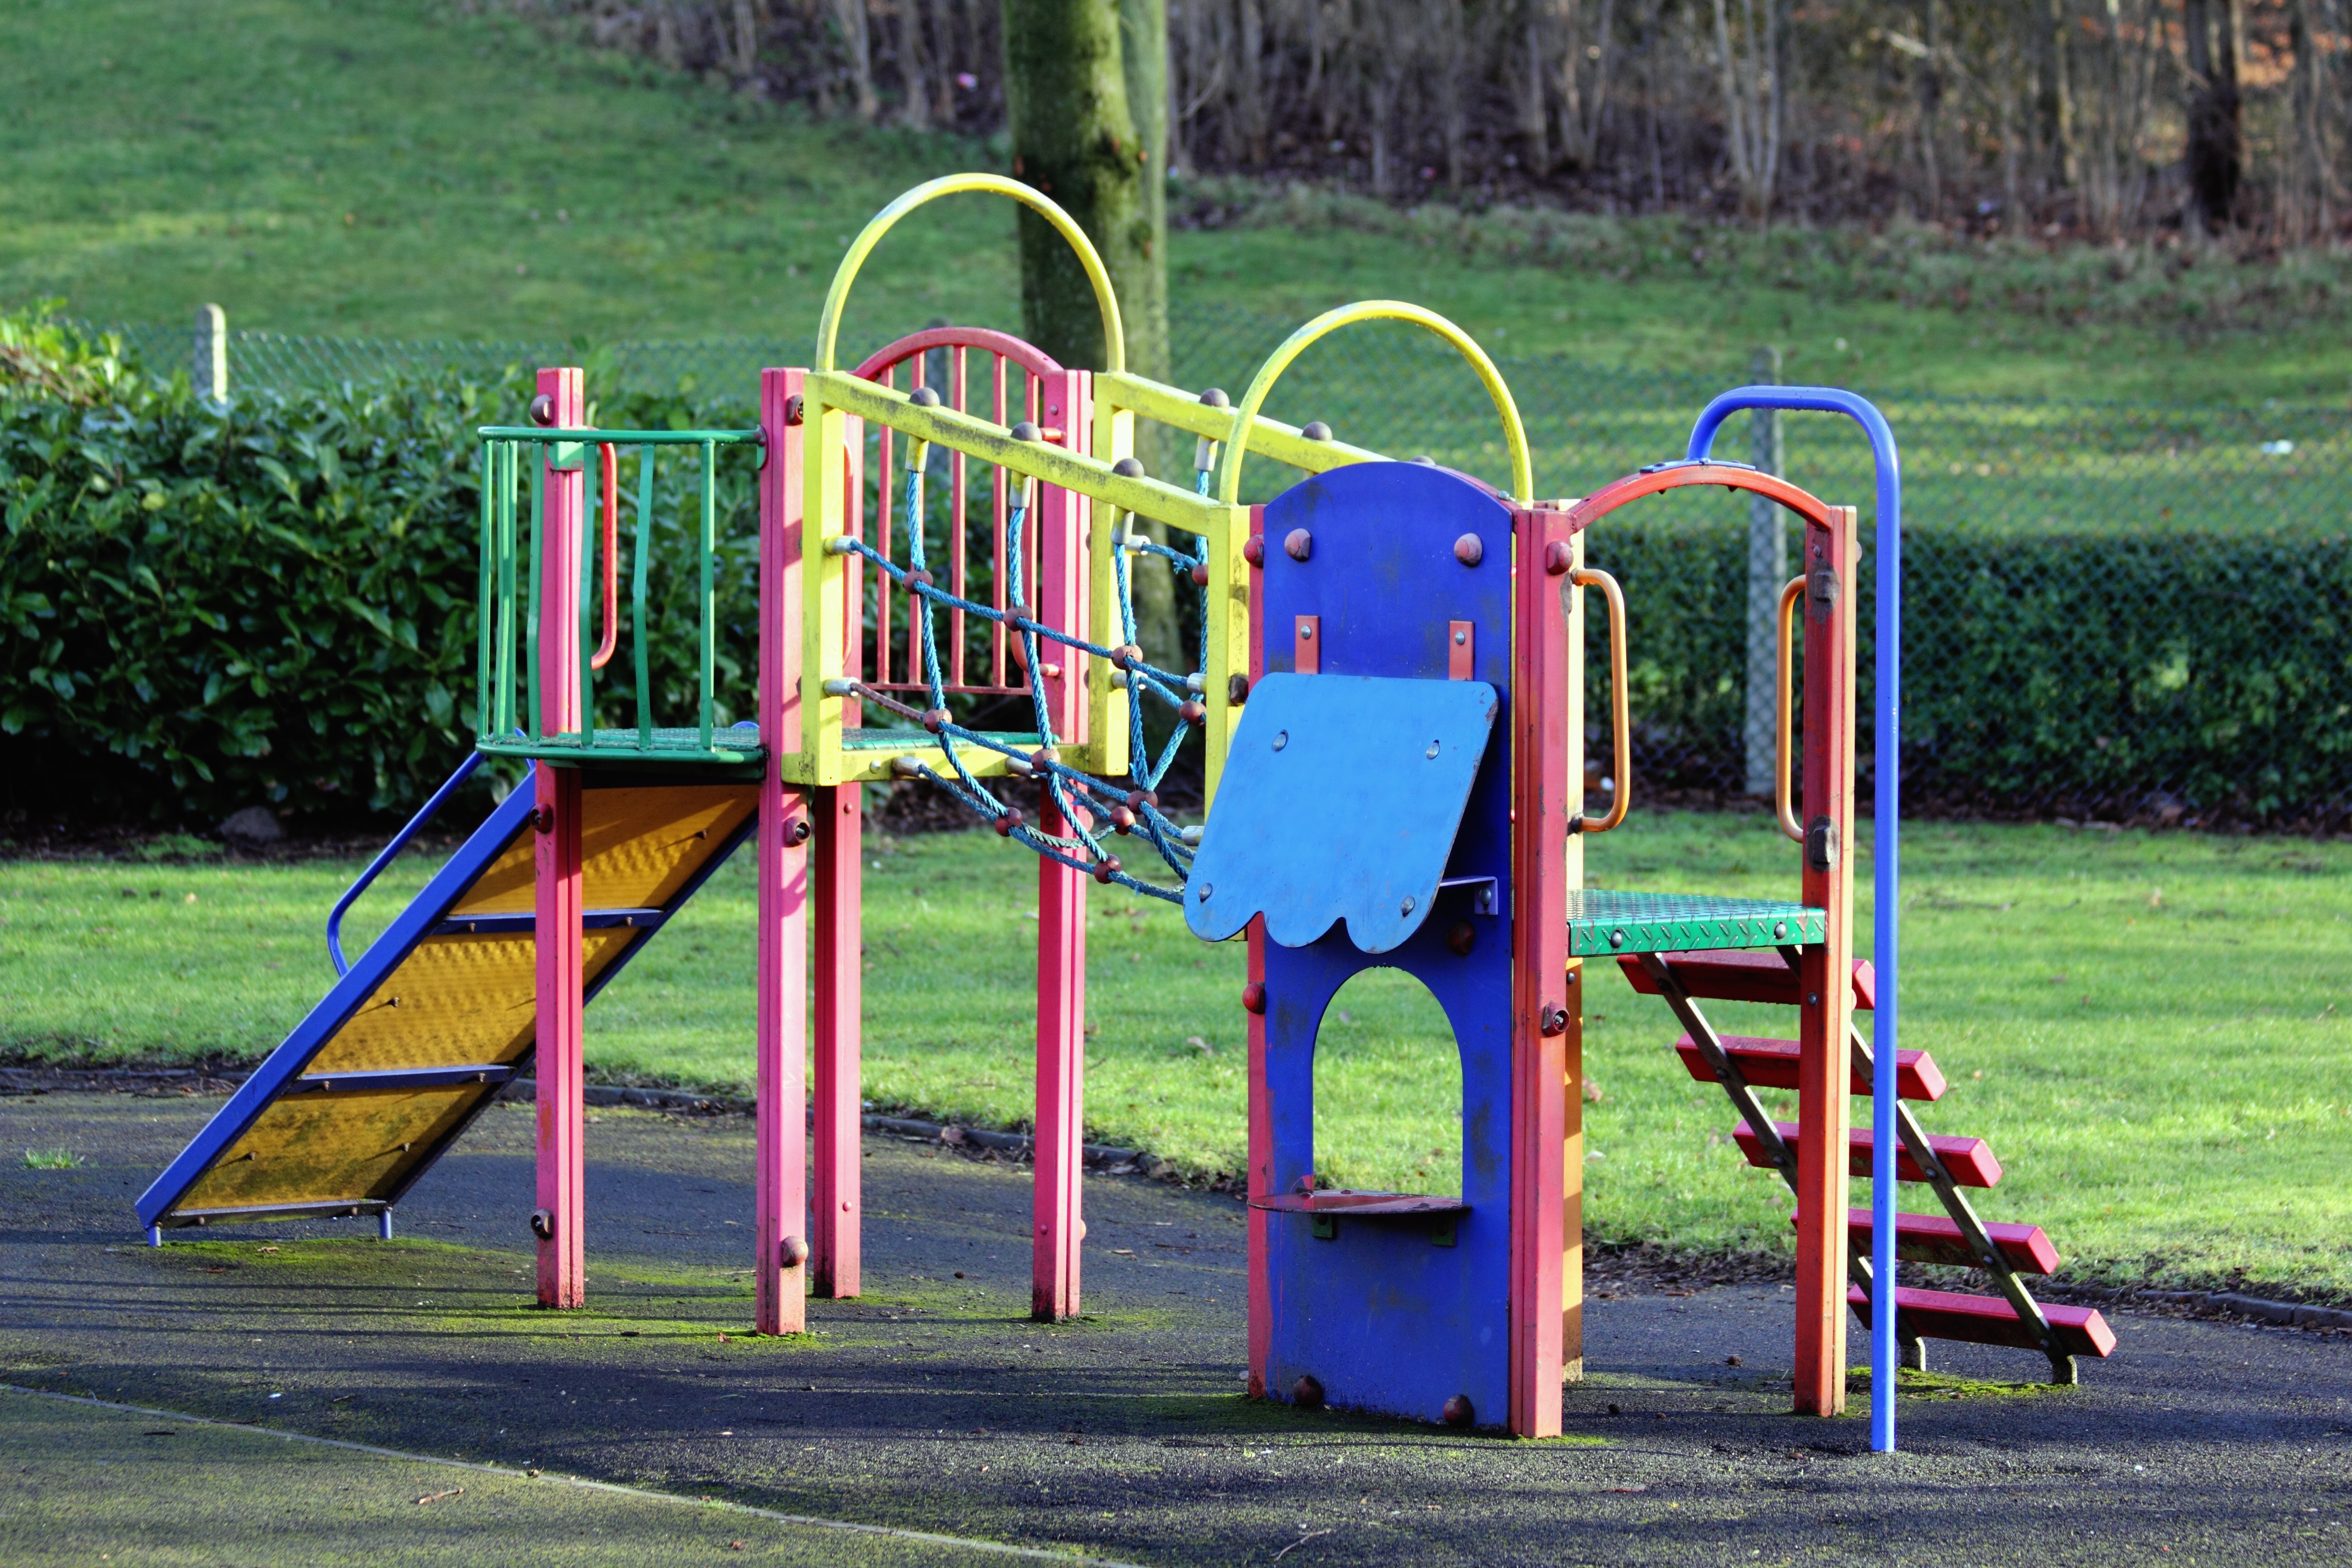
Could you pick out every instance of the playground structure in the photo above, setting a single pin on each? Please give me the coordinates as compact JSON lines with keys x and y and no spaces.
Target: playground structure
{"x":1365,"y":638}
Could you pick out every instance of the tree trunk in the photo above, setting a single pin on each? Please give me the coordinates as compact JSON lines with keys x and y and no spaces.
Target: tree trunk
{"x":2216,"y":146}
{"x":849,"y":16}
{"x":1071,"y":95}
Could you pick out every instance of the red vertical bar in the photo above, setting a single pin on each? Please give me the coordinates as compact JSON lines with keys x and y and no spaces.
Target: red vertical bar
{"x":836,"y":1200}
{"x":1261,"y":1114}
{"x":1061,"y":900}
{"x":556,"y":901}
{"x":999,"y":503}
{"x":957,"y":548}
{"x":1542,"y":1026}
{"x":1826,"y":969}
{"x":780,"y":1304}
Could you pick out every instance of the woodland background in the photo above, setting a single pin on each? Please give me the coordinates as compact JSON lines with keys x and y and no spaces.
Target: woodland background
{"x":2169,"y":119}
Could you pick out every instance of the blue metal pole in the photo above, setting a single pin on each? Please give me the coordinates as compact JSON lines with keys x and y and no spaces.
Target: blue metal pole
{"x":1886,"y":802}
{"x":425,"y":814}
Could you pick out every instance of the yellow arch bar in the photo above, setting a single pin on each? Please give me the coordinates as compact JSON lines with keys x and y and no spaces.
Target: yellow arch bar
{"x":836,"y":298}
{"x":1229,"y":472}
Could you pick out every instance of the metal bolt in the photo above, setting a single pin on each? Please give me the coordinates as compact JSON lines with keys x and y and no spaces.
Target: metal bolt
{"x":1299,"y":544}
{"x":1254,"y":997}
{"x":1780,"y":929}
{"x":1206,"y":889}
{"x":1617,"y":938}
{"x":1253,"y":549}
{"x":924,"y":397}
{"x":793,"y":408}
{"x":1432,"y":752}
{"x":1307,"y":1392}
{"x":1281,"y":739}
{"x":1306,"y":633}
{"x":1128,"y":468}
{"x":1553,"y":1019}
{"x":792,"y":1252}
{"x":1316,"y":430}
{"x":1460,"y":1412}
{"x":1026,"y":430}
{"x":1462,"y":938}
{"x":798,"y":832}
{"x":542,"y":410}
{"x":1406,"y":908}
{"x":542,"y":1224}
{"x":1461,"y":637}
{"x":1469,"y":550}
{"x":1558,"y":558}
{"x":1215,"y":398}
{"x":1237,"y":689}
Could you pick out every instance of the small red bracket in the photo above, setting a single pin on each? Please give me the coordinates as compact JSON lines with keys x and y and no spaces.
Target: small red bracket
{"x":1461,"y":650}
{"x":1307,"y":645}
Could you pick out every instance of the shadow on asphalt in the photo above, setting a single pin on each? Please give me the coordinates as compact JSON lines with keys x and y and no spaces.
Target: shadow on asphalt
{"x":933,"y":1403}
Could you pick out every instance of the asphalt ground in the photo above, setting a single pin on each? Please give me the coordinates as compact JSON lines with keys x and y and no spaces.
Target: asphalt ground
{"x":933,"y":1405}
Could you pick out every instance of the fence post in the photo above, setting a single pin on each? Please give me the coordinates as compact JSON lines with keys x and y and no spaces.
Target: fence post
{"x":210,"y":370}
{"x":1768,"y":568}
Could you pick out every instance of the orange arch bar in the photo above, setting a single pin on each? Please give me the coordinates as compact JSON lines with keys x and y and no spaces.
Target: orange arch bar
{"x":1675,"y":476}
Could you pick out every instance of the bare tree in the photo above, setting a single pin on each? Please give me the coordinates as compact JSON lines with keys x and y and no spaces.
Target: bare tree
{"x":1749,"y":69}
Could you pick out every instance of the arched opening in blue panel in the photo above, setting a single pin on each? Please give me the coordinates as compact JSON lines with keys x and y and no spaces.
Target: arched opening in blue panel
{"x":1388,"y":1088}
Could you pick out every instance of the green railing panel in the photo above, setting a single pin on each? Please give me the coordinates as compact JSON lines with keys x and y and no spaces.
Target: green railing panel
{"x":511,"y":709}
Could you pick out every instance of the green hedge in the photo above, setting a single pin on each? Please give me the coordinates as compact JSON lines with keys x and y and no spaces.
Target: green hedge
{"x":2040,"y":671}
{"x":203,"y":609}
{"x":272,"y":602}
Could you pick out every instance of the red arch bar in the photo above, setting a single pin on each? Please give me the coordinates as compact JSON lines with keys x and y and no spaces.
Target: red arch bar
{"x":1676,"y":476}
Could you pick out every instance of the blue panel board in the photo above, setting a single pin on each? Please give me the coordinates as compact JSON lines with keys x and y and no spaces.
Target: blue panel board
{"x":1381,"y":1314}
{"x":1339,"y":801}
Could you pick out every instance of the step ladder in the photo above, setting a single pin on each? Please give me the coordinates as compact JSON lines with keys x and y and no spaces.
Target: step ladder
{"x":1742,"y":1064}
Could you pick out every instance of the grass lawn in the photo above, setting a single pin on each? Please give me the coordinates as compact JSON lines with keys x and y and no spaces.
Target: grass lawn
{"x":400,"y":168}
{"x":2148,"y":1029}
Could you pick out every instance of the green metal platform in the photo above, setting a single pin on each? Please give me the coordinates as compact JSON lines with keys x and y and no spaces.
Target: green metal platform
{"x":1601,"y":924}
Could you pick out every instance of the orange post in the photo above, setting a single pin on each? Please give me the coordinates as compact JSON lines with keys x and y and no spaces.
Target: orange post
{"x":557,"y":891}
{"x":1546,"y":1014}
{"x":1825,"y":972}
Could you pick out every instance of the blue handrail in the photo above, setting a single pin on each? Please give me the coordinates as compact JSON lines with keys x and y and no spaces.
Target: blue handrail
{"x":1887,"y":708}
{"x":385,"y":857}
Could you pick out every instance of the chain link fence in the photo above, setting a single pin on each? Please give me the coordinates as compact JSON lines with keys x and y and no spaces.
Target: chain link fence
{"x":2112,"y":611}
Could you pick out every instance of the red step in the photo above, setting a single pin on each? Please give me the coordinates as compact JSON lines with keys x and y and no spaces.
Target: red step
{"x":1731,"y":974}
{"x":1933,"y":1238}
{"x":1969,"y":1160}
{"x":1772,"y":1064}
{"x":1991,"y":1320}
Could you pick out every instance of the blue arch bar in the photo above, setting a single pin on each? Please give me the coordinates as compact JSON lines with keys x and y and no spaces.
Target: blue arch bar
{"x":1886,"y":711}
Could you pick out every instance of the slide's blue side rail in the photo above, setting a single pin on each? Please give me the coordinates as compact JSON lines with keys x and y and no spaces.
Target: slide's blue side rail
{"x":356,"y":984}
{"x":391,"y":851}
{"x":1886,"y":924}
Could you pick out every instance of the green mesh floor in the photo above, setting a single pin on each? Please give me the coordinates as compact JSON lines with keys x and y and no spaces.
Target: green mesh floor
{"x":1602,"y":923}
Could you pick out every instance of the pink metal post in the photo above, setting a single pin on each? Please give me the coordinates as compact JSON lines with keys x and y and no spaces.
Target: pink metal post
{"x":556,"y":907}
{"x":835,"y":1200}
{"x":1060,"y":530}
{"x":780,"y":1250}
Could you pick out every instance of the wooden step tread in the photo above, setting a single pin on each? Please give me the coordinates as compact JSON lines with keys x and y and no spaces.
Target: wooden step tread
{"x":1991,"y":1320}
{"x":1936,"y":1239}
{"x":1730,"y":975}
{"x":1969,"y":1160}
{"x":1772,"y":1064}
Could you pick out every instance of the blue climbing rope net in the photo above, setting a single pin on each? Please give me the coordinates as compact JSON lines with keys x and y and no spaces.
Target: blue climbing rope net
{"x":1084,"y":802}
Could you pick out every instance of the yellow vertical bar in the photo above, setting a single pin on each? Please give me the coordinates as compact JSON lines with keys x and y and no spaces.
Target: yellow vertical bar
{"x":1107,"y":699}
{"x":1229,"y":640}
{"x":823,"y":576}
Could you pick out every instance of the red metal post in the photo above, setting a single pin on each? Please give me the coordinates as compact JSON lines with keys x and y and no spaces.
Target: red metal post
{"x":1545,"y":1012}
{"x":1825,"y":972}
{"x":1261,"y":1114}
{"x":1060,"y":532}
{"x":780,"y":1303}
{"x":556,"y":905}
